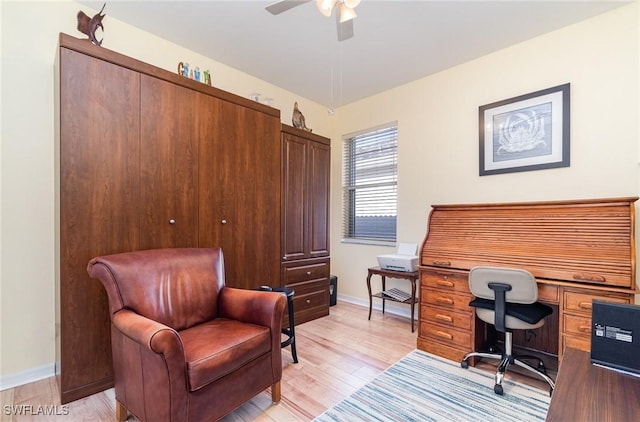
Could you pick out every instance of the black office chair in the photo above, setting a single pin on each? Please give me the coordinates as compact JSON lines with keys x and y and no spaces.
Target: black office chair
{"x":507,"y":298}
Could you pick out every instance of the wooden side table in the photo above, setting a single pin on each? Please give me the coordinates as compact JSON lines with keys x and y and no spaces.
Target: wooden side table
{"x":412,"y":276}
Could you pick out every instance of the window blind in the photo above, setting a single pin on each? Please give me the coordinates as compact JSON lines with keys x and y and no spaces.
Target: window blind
{"x":370,"y":184}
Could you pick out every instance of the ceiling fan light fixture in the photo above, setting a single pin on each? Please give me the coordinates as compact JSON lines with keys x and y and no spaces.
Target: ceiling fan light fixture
{"x":346,"y":13}
{"x":351,"y":3}
{"x":326,"y":6}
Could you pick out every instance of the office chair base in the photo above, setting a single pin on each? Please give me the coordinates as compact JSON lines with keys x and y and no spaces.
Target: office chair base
{"x":505,"y":361}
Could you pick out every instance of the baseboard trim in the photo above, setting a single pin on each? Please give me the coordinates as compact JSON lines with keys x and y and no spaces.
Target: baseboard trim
{"x":391,"y":308}
{"x":27,"y":376}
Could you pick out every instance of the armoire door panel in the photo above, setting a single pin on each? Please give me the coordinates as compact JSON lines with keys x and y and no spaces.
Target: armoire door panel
{"x":294,"y":204}
{"x":319,"y":185}
{"x":98,"y":183}
{"x":240,"y":193}
{"x":169,"y":165}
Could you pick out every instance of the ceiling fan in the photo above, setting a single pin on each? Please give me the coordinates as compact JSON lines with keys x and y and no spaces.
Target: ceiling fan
{"x":344,"y":16}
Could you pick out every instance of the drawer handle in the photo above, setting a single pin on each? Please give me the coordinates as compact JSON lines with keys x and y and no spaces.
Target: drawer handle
{"x":584,"y":305}
{"x":594,"y":278}
{"x":585,"y":328}
{"x":445,"y":300}
{"x":445,"y":283}
{"x":444,"y":318}
{"x":308,"y":301}
{"x":442,"y":263}
{"x":308,"y":272}
{"x":444,"y":335}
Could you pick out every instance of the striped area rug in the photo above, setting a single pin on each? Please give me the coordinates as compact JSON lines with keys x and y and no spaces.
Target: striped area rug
{"x":423,"y":387}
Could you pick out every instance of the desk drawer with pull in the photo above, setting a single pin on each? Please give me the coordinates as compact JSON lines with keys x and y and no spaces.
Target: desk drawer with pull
{"x":446,"y":317}
{"x":582,"y":302}
{"x":445,"y":280}
{"x":576,"y":325}
{"x":445,"y":335}
{"x":448,"y":300}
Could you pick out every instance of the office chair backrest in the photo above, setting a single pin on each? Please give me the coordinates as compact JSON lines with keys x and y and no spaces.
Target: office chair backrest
{"x":524,"y":288}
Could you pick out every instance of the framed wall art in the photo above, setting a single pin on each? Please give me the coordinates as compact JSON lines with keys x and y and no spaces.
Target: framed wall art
{"x":528,"y":132}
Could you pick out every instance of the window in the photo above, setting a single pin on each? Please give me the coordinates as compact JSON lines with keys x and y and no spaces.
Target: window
{"x":370,"y":184}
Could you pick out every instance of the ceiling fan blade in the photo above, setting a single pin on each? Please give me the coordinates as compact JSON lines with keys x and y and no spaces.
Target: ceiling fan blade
{"x":284,"y":5}
{"x":345,"y":29}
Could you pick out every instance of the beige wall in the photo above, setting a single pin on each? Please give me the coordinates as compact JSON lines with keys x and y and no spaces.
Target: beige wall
{"x":438,"y":131}
{"x":438,"y":141}
{"x":29,"y":39}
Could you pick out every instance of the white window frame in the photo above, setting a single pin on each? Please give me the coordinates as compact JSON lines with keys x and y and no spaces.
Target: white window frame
{"x":370,"y":185}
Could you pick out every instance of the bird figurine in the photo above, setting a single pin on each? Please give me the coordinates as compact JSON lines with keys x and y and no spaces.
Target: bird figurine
{"x":298,"y":119}
{"x":88,"y":26}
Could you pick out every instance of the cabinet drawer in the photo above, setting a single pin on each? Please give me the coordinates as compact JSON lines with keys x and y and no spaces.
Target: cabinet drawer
{"x":445,"y":280}
{"x":548,"y":293}
{"x":581,"y":302}
{"x":577,"y":325}
{"x":577,"y":342}
{"x":308,"y":286}
{"x":299,"y":273}
{"x":446,"y":335}
{"x":310,"y":299}
{"x":447,"y":300}
{"x":446,"y":317}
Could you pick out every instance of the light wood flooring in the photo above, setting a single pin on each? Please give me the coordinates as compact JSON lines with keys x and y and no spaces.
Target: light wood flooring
{"x":337,"y":355}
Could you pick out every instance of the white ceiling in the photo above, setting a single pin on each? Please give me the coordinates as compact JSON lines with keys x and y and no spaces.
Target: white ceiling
{"x":395,"y":42}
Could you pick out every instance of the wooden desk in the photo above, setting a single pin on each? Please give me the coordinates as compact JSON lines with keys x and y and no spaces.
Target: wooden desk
{"x":578,"y":251}
{"x":412,"y":276}
{"x":585,"y":392}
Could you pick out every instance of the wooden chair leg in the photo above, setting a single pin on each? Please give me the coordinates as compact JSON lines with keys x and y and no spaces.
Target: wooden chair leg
{"x":121,"y":412}
{"x":275,"y":392}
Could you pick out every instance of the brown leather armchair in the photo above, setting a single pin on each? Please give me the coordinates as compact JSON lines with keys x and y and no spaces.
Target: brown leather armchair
{"x":185,"y":347}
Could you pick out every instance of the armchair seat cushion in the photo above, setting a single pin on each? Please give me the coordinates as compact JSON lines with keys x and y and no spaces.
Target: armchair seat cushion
{"x":219,"y":347}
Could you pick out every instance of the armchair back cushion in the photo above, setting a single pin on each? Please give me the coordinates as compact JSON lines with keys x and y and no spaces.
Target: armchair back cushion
{"x":178,"y":293}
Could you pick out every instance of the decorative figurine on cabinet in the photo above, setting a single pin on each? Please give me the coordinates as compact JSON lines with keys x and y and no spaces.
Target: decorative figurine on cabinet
{"x":298,"y":119}
{"x":88,"y":26}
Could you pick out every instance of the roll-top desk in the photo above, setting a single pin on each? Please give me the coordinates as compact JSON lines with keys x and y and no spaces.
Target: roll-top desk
{"x":578,"y":251}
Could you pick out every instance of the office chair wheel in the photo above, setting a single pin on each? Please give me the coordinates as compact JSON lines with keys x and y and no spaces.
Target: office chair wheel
{"x":498,"y":389}
{"x":464,"y":364}
{"x":541,"y":367}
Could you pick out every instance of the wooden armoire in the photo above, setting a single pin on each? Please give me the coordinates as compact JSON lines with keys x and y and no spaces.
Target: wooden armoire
{"x":146,"y":158}
{"x":305,"y":221}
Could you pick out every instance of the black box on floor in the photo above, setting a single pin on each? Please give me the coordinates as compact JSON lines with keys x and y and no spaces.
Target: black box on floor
{"x":333,"y":290}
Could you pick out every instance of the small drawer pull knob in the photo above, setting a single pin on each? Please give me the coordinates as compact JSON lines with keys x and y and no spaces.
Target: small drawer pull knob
{"x":444,"y":335}
{"x":223,"y":222}
{"x":445,"y":300}
{"x":172,"y":221}
{"x":444,"y":318}
{"x":308,"y":272}
{"x":593,"y":278}
{"x":442,"y":263}
{"x":308,"y":301}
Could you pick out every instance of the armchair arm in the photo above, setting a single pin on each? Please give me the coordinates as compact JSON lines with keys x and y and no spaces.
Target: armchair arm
{"x":253,"y":306}
{"x":156,"y":337}
{"x":147,"y":350}
{"x":260,"y":308}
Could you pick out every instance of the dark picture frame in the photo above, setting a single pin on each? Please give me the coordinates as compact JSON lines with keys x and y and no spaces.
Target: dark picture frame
{"x":524,"y":133}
